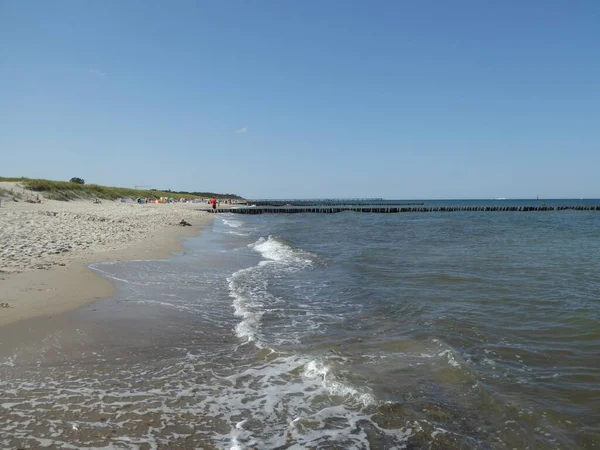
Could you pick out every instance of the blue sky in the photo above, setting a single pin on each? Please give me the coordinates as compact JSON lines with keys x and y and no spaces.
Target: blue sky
{"x":431,"y":99}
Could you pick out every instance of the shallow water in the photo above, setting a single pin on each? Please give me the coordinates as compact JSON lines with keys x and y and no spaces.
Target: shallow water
{"x":437,"y":331}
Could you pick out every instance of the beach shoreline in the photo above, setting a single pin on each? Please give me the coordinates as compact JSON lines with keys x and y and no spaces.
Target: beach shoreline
{"x":264,"y":319}
{"x":49,"y":284}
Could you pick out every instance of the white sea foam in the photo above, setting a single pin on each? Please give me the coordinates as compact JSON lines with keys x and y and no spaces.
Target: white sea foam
{"x":231,"y":222}
{"x":248,"y":294}
{"x":249,"y":289}
{"x":274,"y":249}
{"x":450,"y":356}
{"x":445,"y":352}
{"x":270,"y":401}
{"x":106,"y":274}
{"x":318,"y":370}
{"x":287,"y":383}
{"x":236,"y":233}
{"x":10,"y":361}
{"x":273,"y":390}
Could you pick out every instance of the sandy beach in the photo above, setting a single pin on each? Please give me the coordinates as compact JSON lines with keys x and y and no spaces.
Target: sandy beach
{"x":46,"y":248}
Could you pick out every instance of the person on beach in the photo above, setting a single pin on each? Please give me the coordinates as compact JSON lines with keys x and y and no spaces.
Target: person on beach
{"x":214,"y":204}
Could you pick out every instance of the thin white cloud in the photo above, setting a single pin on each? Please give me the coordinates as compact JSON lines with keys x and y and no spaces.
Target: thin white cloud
{"x":97,"y":72}
{"x":242,"y":130}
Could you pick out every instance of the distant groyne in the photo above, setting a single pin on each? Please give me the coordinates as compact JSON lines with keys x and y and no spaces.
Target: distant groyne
{"x":397,"y":209}
{"x":320,"y":203}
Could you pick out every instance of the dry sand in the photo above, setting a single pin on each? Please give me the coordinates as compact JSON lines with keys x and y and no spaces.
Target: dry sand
{"x":45,"y":249}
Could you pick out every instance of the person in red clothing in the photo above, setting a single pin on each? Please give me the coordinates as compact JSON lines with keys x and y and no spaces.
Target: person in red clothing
{"x":214,"y":204}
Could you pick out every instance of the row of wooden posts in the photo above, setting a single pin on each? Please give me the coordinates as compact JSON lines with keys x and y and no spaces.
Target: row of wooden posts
{"x":397,"y":209}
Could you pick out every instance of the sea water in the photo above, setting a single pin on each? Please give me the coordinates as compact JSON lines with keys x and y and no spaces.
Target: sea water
{"x":433,"y":330}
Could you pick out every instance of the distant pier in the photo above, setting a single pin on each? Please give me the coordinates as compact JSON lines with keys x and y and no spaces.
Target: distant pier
{"x":396,"y":209}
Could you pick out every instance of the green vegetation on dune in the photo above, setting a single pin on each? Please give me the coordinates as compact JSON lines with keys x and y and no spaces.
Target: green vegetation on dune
{"x":200,"y":194}
{"x":66,"y":190}
{"x":9,"y":193}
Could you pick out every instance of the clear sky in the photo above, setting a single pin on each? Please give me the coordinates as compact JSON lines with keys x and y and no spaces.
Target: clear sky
{"x":275,"y":99}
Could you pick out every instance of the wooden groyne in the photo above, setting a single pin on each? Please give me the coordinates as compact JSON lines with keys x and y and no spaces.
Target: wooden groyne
{"x":335,"y":203}
{"x":396,"y":209}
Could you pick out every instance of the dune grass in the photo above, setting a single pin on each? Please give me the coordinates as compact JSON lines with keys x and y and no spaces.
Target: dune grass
{"x":10,"y":193}
{"x":65,"y":190}
{"x":7,"y":193}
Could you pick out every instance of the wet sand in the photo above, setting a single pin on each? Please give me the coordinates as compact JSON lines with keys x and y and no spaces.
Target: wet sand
{"x":88,"y":368}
